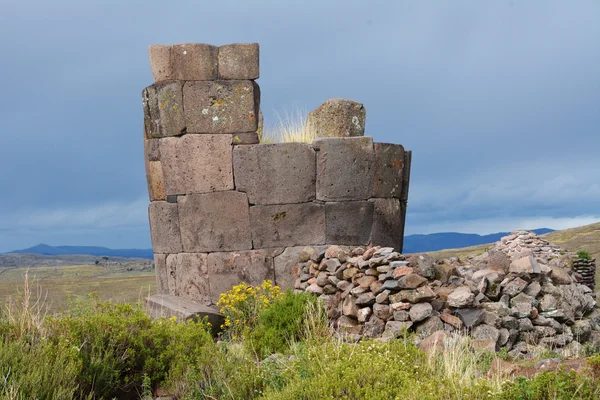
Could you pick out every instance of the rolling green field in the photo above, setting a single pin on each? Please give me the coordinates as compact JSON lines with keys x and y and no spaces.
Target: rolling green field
{"x":56,"y":284}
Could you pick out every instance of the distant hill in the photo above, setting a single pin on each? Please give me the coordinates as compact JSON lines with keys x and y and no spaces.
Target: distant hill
{"x":453,"y":240}
{"x":46,"y":250}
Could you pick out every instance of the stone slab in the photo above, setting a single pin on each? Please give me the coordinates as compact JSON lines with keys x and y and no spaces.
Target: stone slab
{"x":246,"y":138}
{"x":227,"y":269}
{"x":287,"y":225}
{"x":345,"y":168}
{"x":349,"y":222}
{"x":162,"y":276}
{"x":188,"y":276}
{"x":163,"y":305}
{"x":338,"y":118}
{"x":389,"y":170}
{"x":406,"y":175}
{"x":215,"y":222}
{"x":286,"y":265}
{"x":279,"y":173}
{"x":164,"y":227}
{"x":155,"y":179}
{"x":388,"y":224}
{"x":163,"y":109}
{"x":194,"y":62}
{"x":160,"y":62}
{"x":239,"y":61}
{"x":152,"y":149}
{"x":221,"y":106}
{"x":197,"y":164}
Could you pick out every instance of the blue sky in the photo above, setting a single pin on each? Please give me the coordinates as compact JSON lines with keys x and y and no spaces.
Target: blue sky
{"x":499,"y":101}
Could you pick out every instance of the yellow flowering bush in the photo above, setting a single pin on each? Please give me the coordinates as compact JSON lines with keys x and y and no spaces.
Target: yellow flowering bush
{"x":243,"y":303}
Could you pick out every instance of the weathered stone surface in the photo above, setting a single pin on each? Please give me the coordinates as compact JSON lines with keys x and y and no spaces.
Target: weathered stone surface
{"x":522,"y":304}
{"x":420,"y":311}
{"x":164,"y":227}
{"x":189,"y":276}
{"x":423,"y":293}
{"x":337,"y":118}
{"x":382,"y":311}
{"x":484,"y":331}
{"x":197,"y":164}
{"x":279,"y":173}
{"x":227,"y":269}
{"x":461,"y":297}
{"x":160,"y":62}
{"x":245,"y":138}
{"x":344,"y":168}
{"x":215,"y":222}
{"x":162,"y":276}
{"x":405,"y":181}
{"x":152,"y":149}
{"x":434,"y":343}
{"x":286,"y":264}
{"x":348,"y":222}
{"x":288,"y":225}
{"x":365,"y":299}
{"x":349,"y":325}
{"x":451,"y":320}
{"x":395,"y":328}
{"x":425,"y":264}
{"x":514,"y":287}
{"x":526,"y":264}
{"x":389,"y":170}
{"x":471,"y":317}
{"x":221,"y":106}
{"x":155,"y":179}
{"x":387,"y":223}
{"x":163,"y":109}
{"x":560,"y":276}
{"x":194,"y":62}
{"x":411,"y":281}
{"x":430,"y":325}
{"x":239,"y":61}
{"x":163,"y":305}
{"x":374,"y":327}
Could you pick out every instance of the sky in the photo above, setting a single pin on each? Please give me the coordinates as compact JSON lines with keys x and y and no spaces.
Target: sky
{"x":498,"y":100}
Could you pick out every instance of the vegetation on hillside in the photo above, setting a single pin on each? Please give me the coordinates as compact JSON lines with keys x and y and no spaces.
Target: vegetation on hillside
{"x":276,"y":346}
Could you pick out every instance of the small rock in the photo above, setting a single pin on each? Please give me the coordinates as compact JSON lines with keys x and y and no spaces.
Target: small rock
{"x":420,"y":311}
{"x":461,"y":297}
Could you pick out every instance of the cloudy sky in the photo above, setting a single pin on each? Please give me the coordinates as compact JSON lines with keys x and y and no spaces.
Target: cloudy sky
{"x":499,"y":101}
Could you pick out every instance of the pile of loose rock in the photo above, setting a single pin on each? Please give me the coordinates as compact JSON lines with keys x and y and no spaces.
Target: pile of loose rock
{"x":520,"y":293}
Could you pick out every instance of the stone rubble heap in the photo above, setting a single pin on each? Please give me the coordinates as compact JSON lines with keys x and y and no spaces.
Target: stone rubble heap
{"x":520,"y":293}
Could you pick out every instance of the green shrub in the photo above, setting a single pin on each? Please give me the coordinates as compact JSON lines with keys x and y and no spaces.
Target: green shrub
{"x":281,"y":323}
{"x":552,"y":385}
{"x":584,"y":255}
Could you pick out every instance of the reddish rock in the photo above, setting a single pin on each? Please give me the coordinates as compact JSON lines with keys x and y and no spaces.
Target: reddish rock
{"x":239,"y":61}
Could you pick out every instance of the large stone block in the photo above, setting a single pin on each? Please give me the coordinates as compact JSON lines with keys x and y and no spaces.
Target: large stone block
{"x":221,"y":106}
{"x":406,"y":175}
{"x":344,"y":168}
{"x":275,"y":173}
{"x":215,"y":222}
{"x":163,"y":109}
{"x":389,"y":170}
{"x":194,"y":62}
{"x":152,"y":149}
{"x":162,"y":275}
{"x":338,"y":118}
{"x":232,"y":268}
{"x":167,"y":306}
{"x":388,"y":223}
{"x":349,"y":222}
{"x":160,"y":62}
{"x":155,"y":178}
{"x":189,"y":276}
{"x":239,"y":61}
{"x":164,"y":227}
{"x":197,"y":164}
{"x":287,"y":225}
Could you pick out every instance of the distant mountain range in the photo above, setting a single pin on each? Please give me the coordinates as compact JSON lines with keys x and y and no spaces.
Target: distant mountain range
{"x":453,"y":240}
{"x":412,"y":244}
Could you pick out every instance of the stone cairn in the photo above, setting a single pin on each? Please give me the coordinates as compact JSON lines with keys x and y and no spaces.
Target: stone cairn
{"x":225,"y":209}
{"x":520,"y":293}
{"x":586,"y":269}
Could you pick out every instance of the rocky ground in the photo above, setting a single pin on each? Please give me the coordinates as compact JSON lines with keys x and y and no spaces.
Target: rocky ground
{"x":520,"y":294}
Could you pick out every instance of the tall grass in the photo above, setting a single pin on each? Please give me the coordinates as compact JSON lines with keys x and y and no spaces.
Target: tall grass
{"x":289,"y":128}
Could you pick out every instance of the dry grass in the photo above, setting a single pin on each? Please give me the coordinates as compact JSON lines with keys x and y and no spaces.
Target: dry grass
{"x":291,"y":128}
{"x":27,"y":309}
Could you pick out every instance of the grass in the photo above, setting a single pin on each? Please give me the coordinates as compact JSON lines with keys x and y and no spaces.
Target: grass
{"x":77,"y":282}
{"x":291,"y":128}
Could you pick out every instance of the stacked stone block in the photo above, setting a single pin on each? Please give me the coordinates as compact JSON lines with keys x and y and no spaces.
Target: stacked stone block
{"x":586,"y":270}
{"x":226,"y":209}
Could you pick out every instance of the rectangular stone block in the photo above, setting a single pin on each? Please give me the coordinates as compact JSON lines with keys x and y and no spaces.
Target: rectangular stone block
{"x":406,"y":175}
{"x":287,"y":225}
{"x":388,"y":224}
{"x":239,"y":61}
{"x":167,"y":306}
{"x":345,"y":168}
{"x":155,"y":179}
{"x":189,"y":276}
{"x":163,"y":109}
{"x":220,"y":106}
{"x":389,"y":170}
{"x":152,"y":149}
{"x":197,"y":164}
{"x":215,"y":222}
{"x":194,"y":62}
{"x":227,"y":269}
{"x":162,"y":275}
{"x":349,"y":222}
{"x":164,"y":227}
{"x":160,"y":62}
{"x":279,"y":173}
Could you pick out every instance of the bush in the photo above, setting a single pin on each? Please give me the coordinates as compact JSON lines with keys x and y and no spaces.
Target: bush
{"x":584,"y":255}
{"x":281,"y":323}
{"x":552,"y":385}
